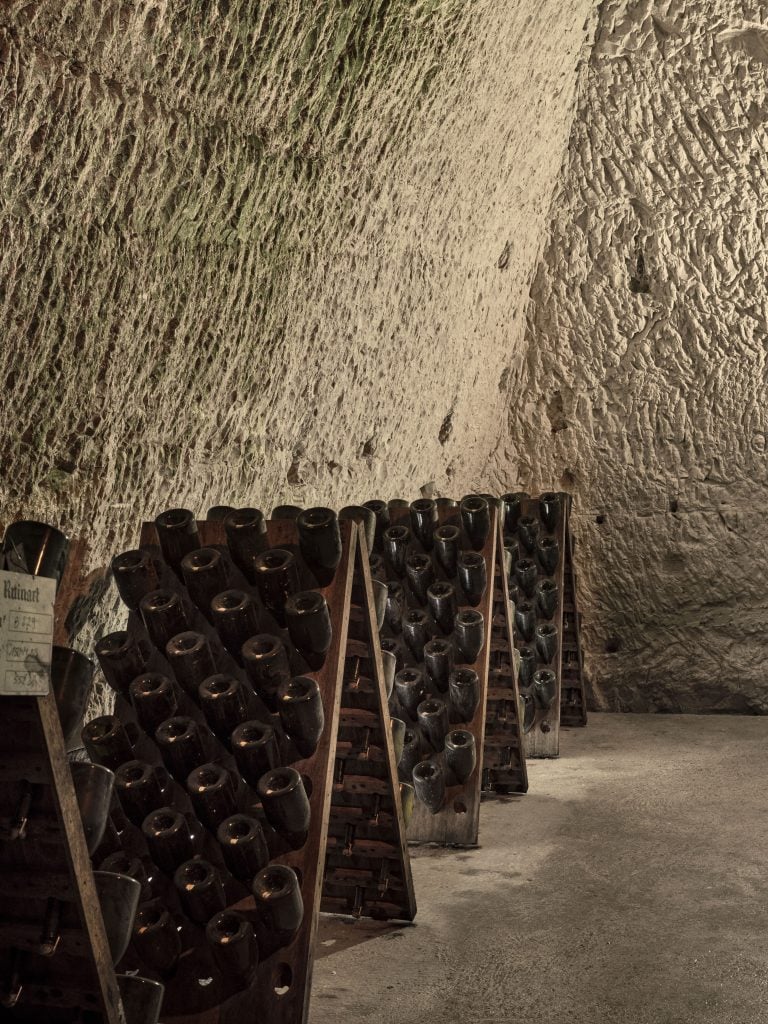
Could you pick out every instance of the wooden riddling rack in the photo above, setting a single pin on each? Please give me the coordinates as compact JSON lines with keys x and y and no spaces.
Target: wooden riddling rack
{"x":504,"y":767}
{"x":457,"y":823}
{"x":280,"y":992}
{"x":45,"y":866}
{"x":573,"y":705}
{"x":368,"y":869}
{"x":542,"y":732}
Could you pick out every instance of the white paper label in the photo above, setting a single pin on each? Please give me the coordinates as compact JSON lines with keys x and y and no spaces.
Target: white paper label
{"x":26,"y":634}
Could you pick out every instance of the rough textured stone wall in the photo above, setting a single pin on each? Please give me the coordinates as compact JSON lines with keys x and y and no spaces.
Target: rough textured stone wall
{"x":268,"y":251}
{"x":643,"y":384}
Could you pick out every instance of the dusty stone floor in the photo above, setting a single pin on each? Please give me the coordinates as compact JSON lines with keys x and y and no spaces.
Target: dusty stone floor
{"x":629,"y":885}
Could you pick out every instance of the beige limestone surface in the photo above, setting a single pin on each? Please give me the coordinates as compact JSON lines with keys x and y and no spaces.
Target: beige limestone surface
{"x":642,"y":385}
{"x":261,"y":253}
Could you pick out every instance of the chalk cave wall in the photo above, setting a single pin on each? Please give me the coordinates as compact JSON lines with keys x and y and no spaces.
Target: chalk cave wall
{"x":642,"y":387}
{"x":255,"y":253}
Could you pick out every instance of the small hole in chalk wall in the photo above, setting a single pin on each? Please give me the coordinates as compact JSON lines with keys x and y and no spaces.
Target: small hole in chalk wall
{"x":283,"y":979}
{"x":600,"y":520}
{"x":459,"y":807}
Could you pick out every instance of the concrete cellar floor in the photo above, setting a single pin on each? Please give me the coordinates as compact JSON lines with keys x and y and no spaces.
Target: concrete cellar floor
{"x":629,"y":886}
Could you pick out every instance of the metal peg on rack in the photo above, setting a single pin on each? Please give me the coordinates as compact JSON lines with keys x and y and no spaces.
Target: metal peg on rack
{"x":51,"y":935}
{"x":349,"y":841}
{"x":17,"y":827}
{"x":11,"y":991}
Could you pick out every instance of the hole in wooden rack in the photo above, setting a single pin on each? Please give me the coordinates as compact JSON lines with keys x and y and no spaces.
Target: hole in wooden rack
{"x":459,"y":806}
{"x":283,"y":979}
{"x":307,"y":784}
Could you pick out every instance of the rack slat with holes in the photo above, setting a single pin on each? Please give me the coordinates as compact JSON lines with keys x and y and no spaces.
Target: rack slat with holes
{"x":573,"y":705}
{"x":367,"y":871}
{"x":504,"y":767}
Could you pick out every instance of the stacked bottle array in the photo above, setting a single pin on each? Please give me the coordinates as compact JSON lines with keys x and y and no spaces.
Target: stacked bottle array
{"x":534,"y":541}
{"x":433,"y":556}
{"x":52,"y":953}
{"x":218,"y":717}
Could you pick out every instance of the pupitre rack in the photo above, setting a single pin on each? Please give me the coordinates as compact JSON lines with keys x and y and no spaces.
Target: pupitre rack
{"x":48,"y":970}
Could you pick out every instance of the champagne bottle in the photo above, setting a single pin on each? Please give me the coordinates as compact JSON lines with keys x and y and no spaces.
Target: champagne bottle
{"x":177,"y":533}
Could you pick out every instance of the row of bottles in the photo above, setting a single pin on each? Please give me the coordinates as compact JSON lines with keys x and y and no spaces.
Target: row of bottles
{"x":428,"y":555}
{"x":533,"y":561}
{"x":212,"y":716}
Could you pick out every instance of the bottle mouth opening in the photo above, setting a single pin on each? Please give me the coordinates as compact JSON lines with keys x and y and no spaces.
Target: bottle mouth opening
{"x":548,"y":542}
{"x":423,"y":505}
{"x":459,"y":739}
{"x":244,"y":517}
{"x":437,"y":647}
{"x":134,"y":772}
{"x":175,"y":517}
{"x":548,"y":585}
{"x":408,"y":676}
{"x":525,"y":608}
{"x":150,"y":917}
{"x":279,"y":780}
{"x":317,"y":517}
{"x":232,"y":599}
{"x":113,"y":643}
{"x":229,"y":925}
{"x":416,"y":616}
{"x":547,"y":630}
{"x":240,"y":828}
{"x":252,"y":733}
{"x":425,"y":770}
{"x":432,"y":707}
{"x":298,"y":688}
{"x":419,"y":562}
{"x":471,"y":559}
{"x":397,"y":532}
{"x":273,"y":560}
{"x":175,"y":728}
{"x":441,"y":589}
{"x":262,"y":647}
{"x":220,"y":686}
{"x":164,"y":822}
{"x":99,"y":728}
{"x":548,"y":497}
{"x":273,"y":881}
{"x":205,"y":778}
{"x":525,"y":565}
{"x":161,"y":599}
{"x":129,"y":560}
{"x":469,"y":618}
{"x":203,"y":559}
{"x":527,"y":521}
{"x":475,"y":504}
{"x":376,"y":506}
{"x":187,"y":642}
{"x":447,"y":532}
{"x":307,"y":602}
{"x":196,"y":872}
{"x":465,"y":675}
{"x":151,"y":683}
